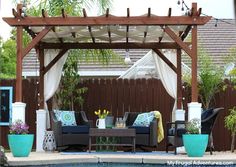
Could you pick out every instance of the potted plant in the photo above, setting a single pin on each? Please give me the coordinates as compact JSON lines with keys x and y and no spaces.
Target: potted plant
{"x":230,"y":124}
{"x":20,"y":142}
{"x":195,"y":143}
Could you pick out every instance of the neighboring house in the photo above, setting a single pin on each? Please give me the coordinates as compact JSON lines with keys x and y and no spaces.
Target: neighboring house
{"x":215,"y":40}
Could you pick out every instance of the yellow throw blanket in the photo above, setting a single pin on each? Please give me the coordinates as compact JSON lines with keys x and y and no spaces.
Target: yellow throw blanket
{"x":160,"y":130}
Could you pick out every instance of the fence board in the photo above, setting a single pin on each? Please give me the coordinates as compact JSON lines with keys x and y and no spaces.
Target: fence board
{"x":149,"y":95}
{"x":108,"y":95}
{"x":114,"y":97}
{"x":132,"y":96}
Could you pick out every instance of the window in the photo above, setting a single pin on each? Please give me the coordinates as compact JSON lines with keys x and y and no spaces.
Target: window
{"x":5,"y":105}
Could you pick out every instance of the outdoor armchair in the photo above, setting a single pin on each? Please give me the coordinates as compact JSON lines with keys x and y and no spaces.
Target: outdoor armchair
{"x":67,"y":136}
{"x":175,"y":130}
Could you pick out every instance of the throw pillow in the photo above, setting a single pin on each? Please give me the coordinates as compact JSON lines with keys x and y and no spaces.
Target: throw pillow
{"x":144,"y":119}
{"x":67,"y":118}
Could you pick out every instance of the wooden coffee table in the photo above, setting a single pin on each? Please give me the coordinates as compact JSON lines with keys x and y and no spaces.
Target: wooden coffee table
{"x":120,"y":132}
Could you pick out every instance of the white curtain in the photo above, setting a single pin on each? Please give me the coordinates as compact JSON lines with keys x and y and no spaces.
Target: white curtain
{"x":167,"y":76}
{"x":52,"y":77}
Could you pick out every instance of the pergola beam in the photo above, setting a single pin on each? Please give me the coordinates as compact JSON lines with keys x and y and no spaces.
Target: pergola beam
{"x":30,"y":32}
{"x":178,"y":40}
{"x":48,"y":67}
{"x":185,"y":33}
{"x":111,"y":20}
{"x":35,"y":41}
{"x":162,"y":45}
{"x":167,"y":61}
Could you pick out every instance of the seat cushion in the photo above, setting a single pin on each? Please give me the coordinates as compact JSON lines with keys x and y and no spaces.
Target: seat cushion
{"x":144,"y":119}
{"x":75,"y":129}
{"x":141,"y":129}
{"x":180,"y":132}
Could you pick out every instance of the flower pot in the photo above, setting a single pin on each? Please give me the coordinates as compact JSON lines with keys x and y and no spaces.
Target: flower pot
{"x":101,"y":123}
{"x":195,"y":144}
{"x":20,"y":145}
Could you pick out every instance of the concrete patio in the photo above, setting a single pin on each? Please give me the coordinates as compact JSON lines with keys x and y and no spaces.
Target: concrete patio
{"x":48,"y":158}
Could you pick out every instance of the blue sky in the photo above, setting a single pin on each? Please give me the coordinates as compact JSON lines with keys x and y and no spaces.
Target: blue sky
{"x":215,"y":8}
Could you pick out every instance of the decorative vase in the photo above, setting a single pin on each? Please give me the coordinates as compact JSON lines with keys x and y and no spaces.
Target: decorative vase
{"x":109,"y":121}
{"x":195,"y":144}
{"x":20,"y":145}
{"x":101,"y":123}
{"x":49,"y":143}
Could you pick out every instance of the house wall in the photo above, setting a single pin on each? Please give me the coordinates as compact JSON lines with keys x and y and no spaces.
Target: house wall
{"x":119,"y":96}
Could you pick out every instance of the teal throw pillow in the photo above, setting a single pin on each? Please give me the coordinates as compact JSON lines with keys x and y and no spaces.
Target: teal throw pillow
{"x":67,"y":118}
{"x":144,"y":119}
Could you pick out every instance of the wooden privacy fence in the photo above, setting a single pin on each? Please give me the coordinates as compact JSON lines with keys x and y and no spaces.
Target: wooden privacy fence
{"x":120,"y":96}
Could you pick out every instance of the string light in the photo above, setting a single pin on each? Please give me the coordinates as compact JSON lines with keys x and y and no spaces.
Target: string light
{"x":24,"y":7}
{"x":184,"y":5}
{"x":127,"y":57}
{"x":178,"y":2}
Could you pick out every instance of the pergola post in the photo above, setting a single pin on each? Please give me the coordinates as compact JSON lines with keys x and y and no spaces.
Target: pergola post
{"x":194,"y":108}
{"x":179,"y":80}
{"x":41,"y":78}
{"x":179,"y":113}
{"x":194,"y":65}
{"x":41,"y":113}
{"x":19,"y":48}
{"x":18,"y":108}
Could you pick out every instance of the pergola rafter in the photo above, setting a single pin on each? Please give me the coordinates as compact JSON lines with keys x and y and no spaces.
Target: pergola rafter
{"x":131,"y":32}
{"x":111,"y":20}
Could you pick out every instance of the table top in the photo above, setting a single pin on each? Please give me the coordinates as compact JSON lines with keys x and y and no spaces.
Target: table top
{"x":112,"y":132}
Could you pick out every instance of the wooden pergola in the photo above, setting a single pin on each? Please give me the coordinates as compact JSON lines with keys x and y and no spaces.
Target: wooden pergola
{"x":108,"y":32}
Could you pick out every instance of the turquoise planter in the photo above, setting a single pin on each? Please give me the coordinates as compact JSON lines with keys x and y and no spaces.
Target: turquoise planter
{"x":195,"y":144}
{"x":20,"y":145}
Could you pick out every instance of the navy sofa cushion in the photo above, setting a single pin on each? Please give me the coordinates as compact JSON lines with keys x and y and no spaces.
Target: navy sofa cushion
{"x":141,"y":129}
{"x":205,"y":114}
{"x":75,"y":129}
